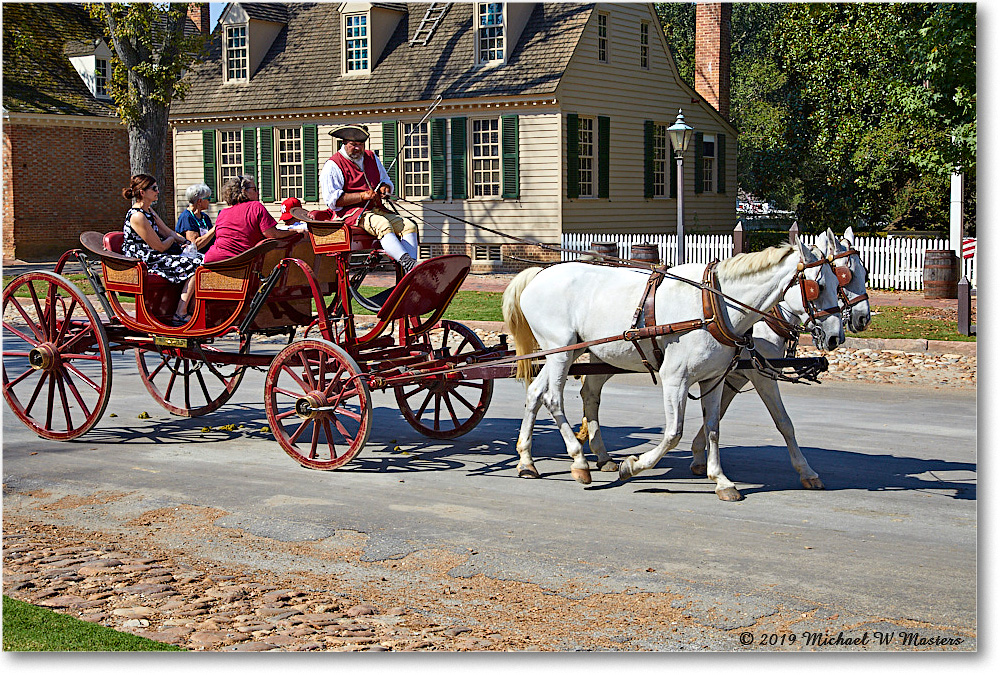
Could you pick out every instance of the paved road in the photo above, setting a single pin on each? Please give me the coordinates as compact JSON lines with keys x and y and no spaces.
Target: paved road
{"x":890,"y":544}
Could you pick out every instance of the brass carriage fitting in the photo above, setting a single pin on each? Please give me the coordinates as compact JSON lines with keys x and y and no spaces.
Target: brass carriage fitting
{"x":801,"y":266}
{"x":42,"y":357}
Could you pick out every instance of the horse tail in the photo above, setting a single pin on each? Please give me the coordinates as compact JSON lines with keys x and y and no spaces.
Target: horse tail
{"x":524,"y":339}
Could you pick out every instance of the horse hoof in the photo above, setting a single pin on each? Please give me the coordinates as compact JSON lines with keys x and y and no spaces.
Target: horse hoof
{"x":627,"y":468}
{"x":813,"y":483}
{"x":729,"y":494}
{"x":699,"y":469}
{"x":527,"y":472}
{"x":581,"y":475}
{"x":608,"y":466}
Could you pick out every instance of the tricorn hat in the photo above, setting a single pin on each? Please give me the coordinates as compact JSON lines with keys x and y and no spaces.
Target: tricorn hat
{"x":351,"y":132}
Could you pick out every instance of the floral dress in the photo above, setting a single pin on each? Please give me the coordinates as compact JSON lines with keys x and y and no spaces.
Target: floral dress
{"x":173,"y":268}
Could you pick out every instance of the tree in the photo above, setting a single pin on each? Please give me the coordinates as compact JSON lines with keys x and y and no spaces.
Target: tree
{"x":677,"y":20}
{"x":151,"y":50}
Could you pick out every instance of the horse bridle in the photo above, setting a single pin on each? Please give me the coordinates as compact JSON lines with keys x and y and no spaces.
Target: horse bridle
{"x":844,"y":276}
{"x":809,"y":288}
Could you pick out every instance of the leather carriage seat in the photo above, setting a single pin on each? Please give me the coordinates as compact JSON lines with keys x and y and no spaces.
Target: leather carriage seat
{"x":358,"y":235}
{"x":161,"y":295}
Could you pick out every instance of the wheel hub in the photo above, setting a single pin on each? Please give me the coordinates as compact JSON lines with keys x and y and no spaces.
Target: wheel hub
{"x":308,"y":406}
{"x":43,"y":357}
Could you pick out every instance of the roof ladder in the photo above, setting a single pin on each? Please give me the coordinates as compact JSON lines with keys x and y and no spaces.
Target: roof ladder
{"x":431,"y":19}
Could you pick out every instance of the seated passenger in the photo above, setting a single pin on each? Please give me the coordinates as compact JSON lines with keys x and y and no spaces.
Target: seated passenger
{"x":194,"y":224}
{"x":149,"y":239}
{"x":353,"y":183}
{"x":245,"y":223}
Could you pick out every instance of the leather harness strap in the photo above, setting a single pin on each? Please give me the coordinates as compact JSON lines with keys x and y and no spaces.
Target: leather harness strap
{"x":645,"y":314}
{"x":713,"y":312}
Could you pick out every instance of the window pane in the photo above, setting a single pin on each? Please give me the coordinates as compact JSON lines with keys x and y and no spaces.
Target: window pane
{"x":356,"y":34}
{"x":602,"y":38}
{"x":587,"y":144}
{"x":236,"y":52}
{"x":416,"y":161}
{"x":230,"y":154}
{"x":290,"y":163}
{"x":490,"y":31}
{"x":661,"y":173}
{"x":486,"y":158}
{"x":101,"y":77}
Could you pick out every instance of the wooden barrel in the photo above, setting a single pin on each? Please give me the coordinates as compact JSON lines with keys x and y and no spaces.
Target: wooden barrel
{"x":605,"y":248}
{"x":646,"y":253}
{"x":940,"y":274}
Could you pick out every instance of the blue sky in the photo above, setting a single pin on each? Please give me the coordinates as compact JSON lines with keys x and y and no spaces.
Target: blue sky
{"x":215,"y":10}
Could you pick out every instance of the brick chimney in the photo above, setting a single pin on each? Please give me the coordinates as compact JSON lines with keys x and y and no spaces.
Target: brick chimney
{"x":712,"y":53}
{"x":199,"y":14}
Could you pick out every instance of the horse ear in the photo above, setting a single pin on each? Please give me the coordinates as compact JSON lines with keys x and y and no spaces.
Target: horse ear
{"x":849,"y":235}
{"x":804,"y":253}
{"x":831,"y":242}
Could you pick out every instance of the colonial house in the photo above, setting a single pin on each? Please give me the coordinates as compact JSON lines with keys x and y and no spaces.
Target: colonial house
{"x":553,"y":116}
{"x":65,"y":151}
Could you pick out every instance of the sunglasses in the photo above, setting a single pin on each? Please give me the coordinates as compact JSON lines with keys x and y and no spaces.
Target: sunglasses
{"x":155,"y":188}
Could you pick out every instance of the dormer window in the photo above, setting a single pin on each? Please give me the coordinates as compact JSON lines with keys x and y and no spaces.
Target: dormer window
{"x":101,"y":78}
{"x":236,"y":53}
{"x":356,"y":43}
{"x":489,"y":34}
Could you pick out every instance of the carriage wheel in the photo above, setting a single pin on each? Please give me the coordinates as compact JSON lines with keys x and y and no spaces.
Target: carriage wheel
{"x":56,"y":360}
{"x":188,"y":387}
{"x":442,"y":408}
{"x":318,"y":404}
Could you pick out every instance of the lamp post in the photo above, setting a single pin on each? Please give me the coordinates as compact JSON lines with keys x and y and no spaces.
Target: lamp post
{"x":680,"y":138}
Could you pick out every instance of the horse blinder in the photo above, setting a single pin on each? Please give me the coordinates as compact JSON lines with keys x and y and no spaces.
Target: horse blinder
{"x":844,"y":275}
{"x":810,"y":290}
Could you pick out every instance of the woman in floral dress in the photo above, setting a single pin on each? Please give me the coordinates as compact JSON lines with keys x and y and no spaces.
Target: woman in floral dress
{"x":148,"y":238}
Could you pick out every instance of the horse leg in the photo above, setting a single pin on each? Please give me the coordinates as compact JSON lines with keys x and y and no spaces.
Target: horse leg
{"x":733,"y":384}
{"x":558,"y":366}
{"x":533,"y":401}
{"x":771,"y":396}
{"x":590,"y":392}
{"x":711,"y":410}
{"x":674,"y":403}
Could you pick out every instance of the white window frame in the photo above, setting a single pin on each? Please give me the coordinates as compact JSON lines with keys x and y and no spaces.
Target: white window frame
{"x":416,"y":157}
{"x":357,"y":47}
{"x":288,"y":164}
{"x":709,"y":164}
{"x":644,"y":45}
{"x":661,"y":162}
{"x":488,"y":163}
{"x":603,"y":41}
{"x":230,"y":154}
{"x":236,"y":64}
{"x":102,"y":67}
{"x":587,"y":156}
{"x":490,"y":36}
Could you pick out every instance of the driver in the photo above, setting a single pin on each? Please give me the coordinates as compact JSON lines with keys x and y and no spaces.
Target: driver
{"x":353,"y":183}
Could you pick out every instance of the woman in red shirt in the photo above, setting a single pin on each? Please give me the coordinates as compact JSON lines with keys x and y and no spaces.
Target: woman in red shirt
{"x":245,"y":223}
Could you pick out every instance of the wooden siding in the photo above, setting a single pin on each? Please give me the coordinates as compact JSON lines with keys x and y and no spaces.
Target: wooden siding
{"x":631,"y":95}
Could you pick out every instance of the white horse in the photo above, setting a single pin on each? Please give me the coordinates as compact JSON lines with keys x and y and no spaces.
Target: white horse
{"x":854,"y":302}
{"x":574,"y":302}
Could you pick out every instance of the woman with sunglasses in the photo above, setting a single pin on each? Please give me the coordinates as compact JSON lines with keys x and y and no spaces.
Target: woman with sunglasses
{"x":151,"y":240}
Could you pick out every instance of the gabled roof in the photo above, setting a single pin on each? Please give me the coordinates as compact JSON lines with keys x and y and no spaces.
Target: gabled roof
{"x":266,"y":11}
{"x":302,"y":68}
{"x":39,"y":77}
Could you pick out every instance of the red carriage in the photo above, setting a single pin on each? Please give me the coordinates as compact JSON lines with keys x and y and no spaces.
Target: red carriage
{"x":57,"y":365}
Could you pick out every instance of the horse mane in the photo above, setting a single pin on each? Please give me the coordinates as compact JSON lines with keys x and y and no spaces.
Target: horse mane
{"x":746,"y":264}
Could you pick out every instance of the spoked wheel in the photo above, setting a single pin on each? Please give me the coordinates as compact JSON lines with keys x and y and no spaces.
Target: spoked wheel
{"x":356,"y":278}
{"x":445,"y":408}
{"x":56,"y":360}
{"x":190,"y":387}
{"x":318,"y":404}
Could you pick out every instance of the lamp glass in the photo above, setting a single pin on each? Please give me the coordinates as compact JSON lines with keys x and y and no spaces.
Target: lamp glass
{"x":680,"y":134}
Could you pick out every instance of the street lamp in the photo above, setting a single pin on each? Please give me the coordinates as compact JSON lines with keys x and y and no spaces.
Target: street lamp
{"x":680,"y":138}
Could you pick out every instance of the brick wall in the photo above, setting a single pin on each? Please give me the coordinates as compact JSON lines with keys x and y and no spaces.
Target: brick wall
{"x":527,"y":255}
{"x":60,"y":181}
{"x":712,"y":53}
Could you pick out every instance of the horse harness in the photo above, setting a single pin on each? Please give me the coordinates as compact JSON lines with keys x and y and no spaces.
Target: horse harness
{"x":844,"y":276}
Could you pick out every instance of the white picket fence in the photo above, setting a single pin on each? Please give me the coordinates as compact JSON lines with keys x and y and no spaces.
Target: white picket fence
{"x":893,"y":262}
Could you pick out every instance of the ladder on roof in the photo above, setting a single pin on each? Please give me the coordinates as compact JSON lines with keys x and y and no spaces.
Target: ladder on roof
{"x":430,"y":21}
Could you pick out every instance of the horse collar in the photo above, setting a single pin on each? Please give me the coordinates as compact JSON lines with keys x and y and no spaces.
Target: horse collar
{"x":715,"y":318}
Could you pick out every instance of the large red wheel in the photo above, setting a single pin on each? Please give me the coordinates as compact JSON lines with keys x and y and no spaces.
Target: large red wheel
{"x":190,"y":387}
{"x":444,"y":408}
{"x":56,"y":360}
{"x":318,"y":404}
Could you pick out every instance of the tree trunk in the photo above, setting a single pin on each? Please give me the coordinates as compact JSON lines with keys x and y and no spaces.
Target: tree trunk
{"x":148,"y":152}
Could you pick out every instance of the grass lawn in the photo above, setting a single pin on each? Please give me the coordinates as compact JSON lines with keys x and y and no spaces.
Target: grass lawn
{"x":27,"y":628}
{"x":79,"y":279}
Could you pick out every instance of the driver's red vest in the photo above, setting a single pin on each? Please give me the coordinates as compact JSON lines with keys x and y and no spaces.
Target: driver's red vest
{"x":355,"y":181}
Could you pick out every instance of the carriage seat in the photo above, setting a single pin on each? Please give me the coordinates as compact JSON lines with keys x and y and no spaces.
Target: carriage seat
{"x":329,"y":235}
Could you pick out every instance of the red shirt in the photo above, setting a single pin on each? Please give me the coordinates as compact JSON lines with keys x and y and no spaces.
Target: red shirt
{"x":238,"y":229}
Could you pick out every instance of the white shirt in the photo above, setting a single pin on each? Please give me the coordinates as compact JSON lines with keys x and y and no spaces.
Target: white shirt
{"x":331,"y":178}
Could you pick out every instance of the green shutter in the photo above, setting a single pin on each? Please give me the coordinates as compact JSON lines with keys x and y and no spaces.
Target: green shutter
{"x":648,"y":166}
{"x":603,"y":157}
{"x":208,"y":159}
{"x":572,"y":156}
{"x":509,"y":145}
{"x":439,"y":167}
{"x":720,"y":153}
{"x":266,"y":164}
{"x":459,"y":153}
{"x":699,"y":162}
{"x":390,"y":148}
{"x":250,"y":151}
{"x":672,"y":160}
{"x":310,"y":163}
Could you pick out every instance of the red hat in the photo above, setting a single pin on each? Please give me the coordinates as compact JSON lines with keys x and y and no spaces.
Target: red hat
{"x":287,"y":206}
